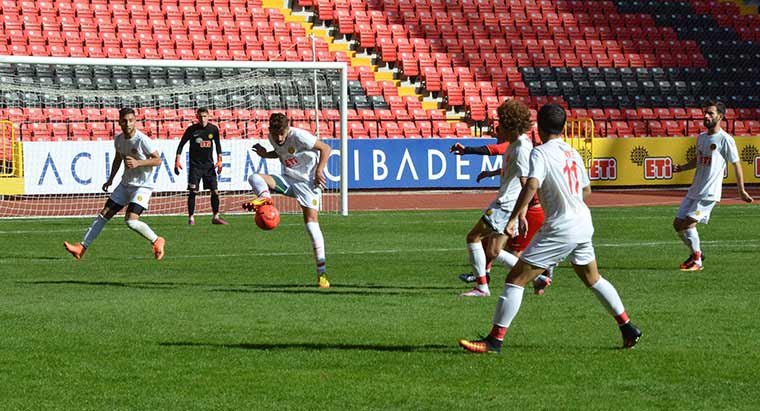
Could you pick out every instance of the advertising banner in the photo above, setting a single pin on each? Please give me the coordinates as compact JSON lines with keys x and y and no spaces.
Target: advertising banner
{"x":83,"y":167}
{"x":648,"y":161}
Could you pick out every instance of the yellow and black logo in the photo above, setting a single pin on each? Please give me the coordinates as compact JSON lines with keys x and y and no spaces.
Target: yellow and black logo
{"x":291,"y":150}
{"x":210,"y":136}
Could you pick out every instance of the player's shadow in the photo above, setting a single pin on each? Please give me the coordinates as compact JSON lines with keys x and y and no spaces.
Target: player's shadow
{"x":316,"y":346}
{"x":370,"y":290}
{"x":107,"y":284}
{"x":340,"y":289}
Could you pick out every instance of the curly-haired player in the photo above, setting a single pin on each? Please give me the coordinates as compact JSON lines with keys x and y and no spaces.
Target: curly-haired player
{"x":514,"y":123}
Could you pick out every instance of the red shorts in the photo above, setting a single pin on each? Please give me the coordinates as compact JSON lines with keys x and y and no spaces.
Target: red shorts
{"x":535,"y":217}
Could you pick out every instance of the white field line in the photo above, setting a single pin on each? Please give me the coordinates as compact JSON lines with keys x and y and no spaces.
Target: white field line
{"x":715,"y":243}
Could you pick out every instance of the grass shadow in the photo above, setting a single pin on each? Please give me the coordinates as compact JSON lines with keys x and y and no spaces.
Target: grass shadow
{"x":316,"y":346}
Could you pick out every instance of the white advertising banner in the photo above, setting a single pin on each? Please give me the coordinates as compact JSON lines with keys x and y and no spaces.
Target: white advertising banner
{"x":83,"y":167}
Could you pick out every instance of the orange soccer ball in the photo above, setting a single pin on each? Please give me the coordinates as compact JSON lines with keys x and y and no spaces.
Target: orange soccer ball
{"x":267,"y":217}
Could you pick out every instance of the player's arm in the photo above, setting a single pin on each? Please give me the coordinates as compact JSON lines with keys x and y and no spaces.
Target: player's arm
{"x":459,"y":150}
{"x":178,"y":160}
{"x":586,"y":192}
{"x":530,"y":187}
{"x":262,"y":152}
{"x":487,"y":174}
{"x":488,"y":150}
{"x":153,"y":160}
{"x":218,"y":145}
{"x":324,"y":154}
{"x":677,"y":168}
{"x":115,"y":165}
{"x":743,"y":194}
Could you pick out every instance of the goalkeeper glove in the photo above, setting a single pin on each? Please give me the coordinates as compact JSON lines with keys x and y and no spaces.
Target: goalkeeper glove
{"x":177,"y":166}
{"x":218,"y":165}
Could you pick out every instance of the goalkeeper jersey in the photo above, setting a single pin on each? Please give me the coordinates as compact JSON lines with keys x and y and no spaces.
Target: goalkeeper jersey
{"x":139,"y":147}
{"x":202,"y":140}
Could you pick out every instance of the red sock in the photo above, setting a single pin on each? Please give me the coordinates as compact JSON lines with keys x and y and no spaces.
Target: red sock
{"x":622,"y":318}
{"x":482,"y":280}
{"x":498,"y":332}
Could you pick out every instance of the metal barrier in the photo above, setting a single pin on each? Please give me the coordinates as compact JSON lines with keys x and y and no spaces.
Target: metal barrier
{"x":11,"y":160}
{"x":579,"y":133}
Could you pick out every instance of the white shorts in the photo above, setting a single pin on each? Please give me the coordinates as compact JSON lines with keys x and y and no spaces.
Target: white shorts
{"x":697,"y":210}
{"x":124,"y":194}
{"x":547,"y":251}
{"x":496,"y":218}
{"x":305,"y":193}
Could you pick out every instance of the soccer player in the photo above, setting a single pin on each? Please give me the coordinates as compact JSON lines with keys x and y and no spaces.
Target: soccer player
{"x":303,"y":158}
{"x":515,"y":245}
{"x":714,"y":148}
{"x":514,"y":122}
{"x":202,"y":136}
{"x":558,"y":175}
{"x":140,"y":157}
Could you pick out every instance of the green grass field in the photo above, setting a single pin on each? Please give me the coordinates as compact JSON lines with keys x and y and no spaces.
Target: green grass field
{"x":231,"y":319}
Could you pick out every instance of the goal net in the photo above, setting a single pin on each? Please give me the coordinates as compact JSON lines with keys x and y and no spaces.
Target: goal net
{"x":63,"y":115}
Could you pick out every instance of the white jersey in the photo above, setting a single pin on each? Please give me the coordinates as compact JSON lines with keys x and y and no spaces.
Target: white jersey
{"x":515,"y":164}
{"x":713,"y":151}
{"x":139,"y":147}
{"x":297,"y":154}
{"x":561,"y":178}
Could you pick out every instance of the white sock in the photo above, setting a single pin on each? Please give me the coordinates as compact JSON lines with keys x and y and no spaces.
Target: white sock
{"x":691,"y":238}
{"x":550,"y":271}
{"x":477,"y":258}
{"x":318,"y":244}
{"x":506,"y":259}
{"x":143,"y":229}
{"x":259,"y":186}
{"x":95,"y":228}
{"x":682,"y":236}
{"x":508,"y":305}
{"x":608,"y":295}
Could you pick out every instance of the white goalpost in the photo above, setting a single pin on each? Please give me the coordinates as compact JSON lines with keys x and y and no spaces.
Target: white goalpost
{"x":60,"y":116}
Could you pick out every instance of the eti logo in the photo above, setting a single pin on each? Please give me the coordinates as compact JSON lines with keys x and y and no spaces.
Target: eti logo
{"x":658,"y":168}
{"x":603,"y":169}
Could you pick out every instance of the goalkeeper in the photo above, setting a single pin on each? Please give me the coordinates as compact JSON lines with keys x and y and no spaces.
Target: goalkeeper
{"x":202,"y":136}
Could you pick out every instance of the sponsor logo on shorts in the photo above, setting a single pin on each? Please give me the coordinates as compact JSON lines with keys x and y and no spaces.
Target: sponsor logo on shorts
{"x":603,"y":169}
{"x":489,"y":212}
{"x":139,"y":198}
{"x":314,"y":202}
{"x":658,"y":168}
